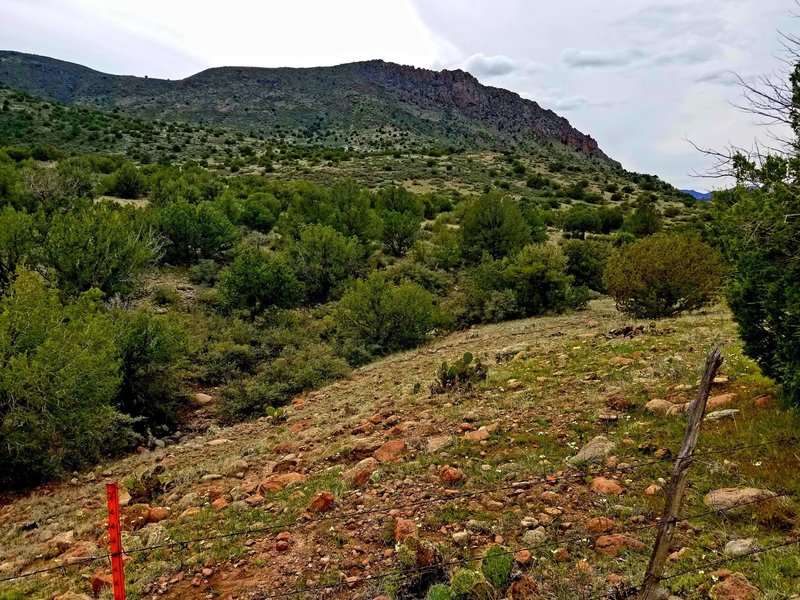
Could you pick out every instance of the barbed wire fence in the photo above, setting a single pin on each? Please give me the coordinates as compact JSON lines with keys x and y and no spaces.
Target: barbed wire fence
{"x":653,"y":578}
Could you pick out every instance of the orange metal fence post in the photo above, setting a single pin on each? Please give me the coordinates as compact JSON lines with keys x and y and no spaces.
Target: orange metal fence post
{"x":115,"y":541}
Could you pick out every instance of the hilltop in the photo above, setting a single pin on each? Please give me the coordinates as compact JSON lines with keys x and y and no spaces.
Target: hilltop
{"x":360,"y":105}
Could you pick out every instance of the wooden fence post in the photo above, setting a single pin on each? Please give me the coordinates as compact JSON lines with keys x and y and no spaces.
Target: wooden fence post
{"x":115,"y":541}
{"x":677,"y":484}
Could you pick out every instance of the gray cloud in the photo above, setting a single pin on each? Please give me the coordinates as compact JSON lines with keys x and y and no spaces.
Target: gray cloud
{"x":576,"y":58}
{"x":498,"y":65}
{"x":718,"y":76}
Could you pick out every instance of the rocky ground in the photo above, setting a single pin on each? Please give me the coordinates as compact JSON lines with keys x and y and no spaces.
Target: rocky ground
{"x":375,"y":487}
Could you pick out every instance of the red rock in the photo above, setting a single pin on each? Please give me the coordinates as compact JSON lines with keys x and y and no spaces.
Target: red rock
{"x":477,"y":436}
{"x":213,"y":492}
{"x":101,"y":580}
{"x":376,"y":418}
{"x":219,"y":504}
{"x":361,"y":472}
{"x":653,"y":490}
{"x":735,"y":587}
{"x":283,"y":448}
{"x":561,"y":555}
{"x":765,"y":402}
{"x":283,"y":535}
{"x":524,"y":588}
{"x":523,"y":557}
{"x":403,"y":528}
{"x":321,"y":502}
{"x":275,"y":483}
{"x":254,"y":500}
{"x":606,"y":487}
{"x":282,"y":546}
{"x":615,"y":543}
{"x":300,"y":425}
{"x":600,"y":525}
{"x":135,"y":516}
{"x":719,"y":401}
{"x":390,"y":451}
{"x":158,"y":514}
{"x":196,"y":582}
{"x":466,"y":427}
{"x":450,"y":475}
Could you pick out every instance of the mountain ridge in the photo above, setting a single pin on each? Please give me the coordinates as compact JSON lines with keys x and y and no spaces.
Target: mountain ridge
{"x":353,"y":104}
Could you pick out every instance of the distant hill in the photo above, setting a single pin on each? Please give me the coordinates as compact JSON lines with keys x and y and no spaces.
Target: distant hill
{"x":357,"y":105}
{"x":697,"y":195}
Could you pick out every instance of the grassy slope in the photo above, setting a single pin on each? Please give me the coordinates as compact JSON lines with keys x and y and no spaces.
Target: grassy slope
{"x":568,"y":375}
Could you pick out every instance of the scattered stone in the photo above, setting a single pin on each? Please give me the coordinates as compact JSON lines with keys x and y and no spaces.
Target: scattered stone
{"x":72,"y":596}
{"x":438,"y":442}
{"x":282,"y":545}
{"x":534,"y":537}
{"x":207,"y":572}
{"x":615,"y":543}
{"x":218,"y":442}
{"x":728,"y":499}
{"x":189,"y":513}
{"x":321,"y":502}
{"x":478,"y":435}
{"x":561,"y":555}
{"x":765,"y":402}
{"x":599,"y":525}
{"x":595,"y":452}
{"x":606,"y":487}
{"x":620,"y":361}
{"x":450,"y":475}
{"x":403,"y":528}
{"x":740,"y":547}
{"x":158,"y":514}
{"x":514,"y":384}
{"x":275,"y":483}
{"x":659,"y":407}
{"x":390,"y":451}
{"x":60,"y":543}
{"x":461,"y":538}
{"x":735,"y":587}
{"x":717,"y":415}
{"x":653,"y":490}
{"x":523,"y":557}
{"x":219,"y":504}
{"x":100,"y":580}
{"x":79,"y":552}
{"x":361,"y":472}
{"x":136,"y":516}
{"x":720,"y":401}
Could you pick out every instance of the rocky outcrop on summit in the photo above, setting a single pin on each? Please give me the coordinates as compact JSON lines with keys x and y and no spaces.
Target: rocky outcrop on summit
{"x":330,"y":105}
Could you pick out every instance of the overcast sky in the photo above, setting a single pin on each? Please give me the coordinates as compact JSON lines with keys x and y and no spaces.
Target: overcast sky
{"x":641,"y":76}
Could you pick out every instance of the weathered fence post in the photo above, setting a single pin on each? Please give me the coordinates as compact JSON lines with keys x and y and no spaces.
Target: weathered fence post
{"x":677,"y":483}
{"x":115,"y":541}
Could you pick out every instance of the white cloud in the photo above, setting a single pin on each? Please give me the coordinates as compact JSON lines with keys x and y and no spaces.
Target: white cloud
{"x":481,"y":65}
{"x":576,"y":58}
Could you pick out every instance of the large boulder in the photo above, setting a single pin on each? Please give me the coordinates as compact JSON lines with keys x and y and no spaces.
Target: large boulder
{"x":737,"y":500}
{"x":735,"y":587}
{"x":595,"y":452}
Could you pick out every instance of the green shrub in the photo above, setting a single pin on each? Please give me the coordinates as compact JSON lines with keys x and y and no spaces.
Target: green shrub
{"x":663,"y":275}
{"x":539,"y":279}
{"x":16,"y":241}
{"x":127,"y":182}
{"x":586,"y":262}
{"x":59,"y":374}
{"x":151,"y":348}
{"x":760,"y":237}
{"x":400,"y":231}
{"x":205,"y":271}
{"x":194,"y":231}
{"x":165,"y":295}
{"x":493,"y":224}
{"x":646,"y":218}
{"x":296,"y":370}
{"x":260,"y":211}
{"x":581,"y":220}
{"x":323,"y":258}
{"x":256,"y":280}
{"x":375,"y":317}
{"x":103,"y":247}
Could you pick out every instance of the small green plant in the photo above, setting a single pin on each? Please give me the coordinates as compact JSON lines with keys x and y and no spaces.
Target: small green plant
{"x":276,"y":414}
{"x":439,"y":592}
{"x":460,"y":376}
{"x":471,"y":584}
{"x":164,"y":295}
{"x":496,"y":566}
